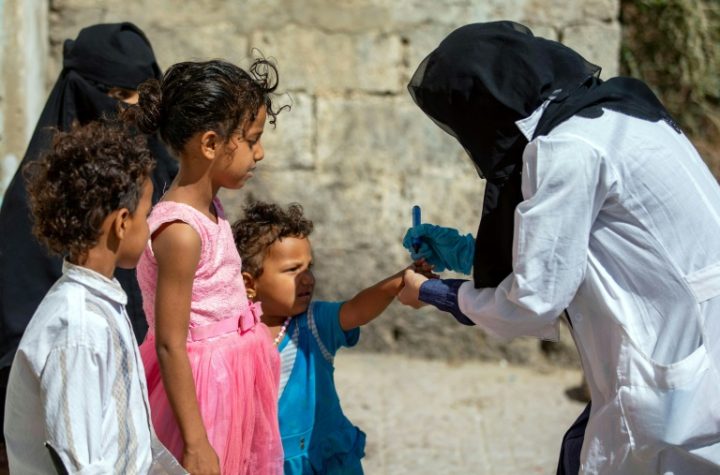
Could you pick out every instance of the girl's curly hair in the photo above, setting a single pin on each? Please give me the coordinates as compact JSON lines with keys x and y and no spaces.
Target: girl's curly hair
{"x":91,"y":171}
{"x":262,"y":225}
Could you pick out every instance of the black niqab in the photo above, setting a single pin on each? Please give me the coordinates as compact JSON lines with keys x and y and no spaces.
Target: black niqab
{"x":483,"y":78}
{"x":102,"y":57}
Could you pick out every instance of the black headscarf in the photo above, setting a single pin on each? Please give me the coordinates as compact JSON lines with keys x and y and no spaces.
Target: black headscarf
{"x":102,"y":57}
{"x":483,"y":78}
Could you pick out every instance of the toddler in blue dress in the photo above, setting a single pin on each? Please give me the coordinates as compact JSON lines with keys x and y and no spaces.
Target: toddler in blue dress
{"x":277,"y":268}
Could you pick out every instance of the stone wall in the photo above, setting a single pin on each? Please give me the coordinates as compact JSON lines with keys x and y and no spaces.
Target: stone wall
{"x":23,"y":62}
{"x":354,"y":149}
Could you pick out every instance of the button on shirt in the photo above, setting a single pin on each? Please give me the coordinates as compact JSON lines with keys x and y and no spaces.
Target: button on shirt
{"x":76,"y":386}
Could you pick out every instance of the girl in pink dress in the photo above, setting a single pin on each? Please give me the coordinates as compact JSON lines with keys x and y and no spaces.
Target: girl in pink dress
{"x":211,"y":369}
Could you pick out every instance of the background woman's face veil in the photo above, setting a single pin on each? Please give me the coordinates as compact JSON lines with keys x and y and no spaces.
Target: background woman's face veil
{"x":113,"y":55}
{"x":102,"y":57}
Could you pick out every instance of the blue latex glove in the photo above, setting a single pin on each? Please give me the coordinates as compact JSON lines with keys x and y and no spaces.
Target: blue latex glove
{"x":442,"y":247}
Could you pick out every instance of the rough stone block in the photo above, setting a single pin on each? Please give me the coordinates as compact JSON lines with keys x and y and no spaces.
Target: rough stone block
{"x":558,"y":13}
{"x":522,"y":11}
{"x":216,"y":41}
{"x":599,"y":43}
{"x":414,"y":13}
{"x":551,"y":13}
{"x":388,"y":132}
{"x":65,"y":5}
{"x":168,"y":12}
{"x":605,"y":10}
{"x":345,"y":16}
{"x":290,"y":144}
{"x":359,"y":140}
{"x":315,"y":61}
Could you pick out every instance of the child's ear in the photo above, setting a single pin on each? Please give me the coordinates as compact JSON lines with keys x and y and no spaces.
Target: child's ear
{"x":249,"y":285}
{"x":121,"y":223}
{"x":210,"y":144}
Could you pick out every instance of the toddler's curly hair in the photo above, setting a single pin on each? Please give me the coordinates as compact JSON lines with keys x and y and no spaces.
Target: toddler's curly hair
{"x":262,"y":225}
{"x":91,"y":171}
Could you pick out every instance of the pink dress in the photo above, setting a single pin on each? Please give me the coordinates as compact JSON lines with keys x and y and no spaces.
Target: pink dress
{"x":235,"y":366}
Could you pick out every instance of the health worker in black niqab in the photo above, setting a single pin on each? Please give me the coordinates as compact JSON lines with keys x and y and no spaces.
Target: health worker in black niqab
{"x":483,"y":78}
{"x":102,"y":60}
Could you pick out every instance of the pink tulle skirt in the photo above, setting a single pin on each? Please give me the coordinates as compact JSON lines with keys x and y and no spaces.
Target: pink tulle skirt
{"x":236,"y":380}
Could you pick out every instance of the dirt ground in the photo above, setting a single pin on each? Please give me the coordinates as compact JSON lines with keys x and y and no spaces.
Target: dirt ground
{"x":432,"y":417}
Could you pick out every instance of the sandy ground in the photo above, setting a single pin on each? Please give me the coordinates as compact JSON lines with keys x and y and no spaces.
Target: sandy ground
{"x":431,"y":417}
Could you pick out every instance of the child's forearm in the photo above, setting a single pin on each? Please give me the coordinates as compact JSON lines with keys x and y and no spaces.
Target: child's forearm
{"x":368,"y":304}
{"x":180,"y":389}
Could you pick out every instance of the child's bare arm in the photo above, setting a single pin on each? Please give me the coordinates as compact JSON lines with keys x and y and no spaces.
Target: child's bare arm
{"x":177,"y":250}
{"x":368,"y":304}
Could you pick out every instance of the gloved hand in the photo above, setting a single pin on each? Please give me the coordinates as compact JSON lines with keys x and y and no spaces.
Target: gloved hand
{"x":442,"y":247}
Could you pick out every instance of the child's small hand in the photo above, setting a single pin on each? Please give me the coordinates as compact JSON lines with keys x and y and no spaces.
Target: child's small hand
{"x":421,"y":266}
{"x":201,"y":460}
{"x":410,"y":293}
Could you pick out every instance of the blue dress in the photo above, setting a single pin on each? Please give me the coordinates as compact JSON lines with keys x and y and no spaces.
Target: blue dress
{"x":316,"y":435}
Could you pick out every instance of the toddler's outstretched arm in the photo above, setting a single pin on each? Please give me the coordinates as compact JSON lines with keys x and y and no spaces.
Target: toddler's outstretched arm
{"x":369,"y":303}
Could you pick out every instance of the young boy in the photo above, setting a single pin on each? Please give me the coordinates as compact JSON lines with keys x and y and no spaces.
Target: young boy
{"x":277,"y":269}
{"x":76,"y":397}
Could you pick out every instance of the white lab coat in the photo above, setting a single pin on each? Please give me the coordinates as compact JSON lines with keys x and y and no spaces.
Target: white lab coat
{"x":620,"y":224}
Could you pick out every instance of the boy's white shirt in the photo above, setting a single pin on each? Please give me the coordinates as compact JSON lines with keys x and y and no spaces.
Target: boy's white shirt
{"x":77,"y":384}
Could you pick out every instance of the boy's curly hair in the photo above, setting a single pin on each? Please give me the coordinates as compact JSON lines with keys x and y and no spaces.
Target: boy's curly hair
{"x":262,"y":225}
{"x":90,"y":172}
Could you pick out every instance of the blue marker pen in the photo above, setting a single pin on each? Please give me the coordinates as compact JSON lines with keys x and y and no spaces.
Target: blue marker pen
{"x":416,"y":242}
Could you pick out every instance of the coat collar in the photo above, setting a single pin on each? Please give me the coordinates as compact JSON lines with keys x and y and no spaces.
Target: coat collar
{"x":528,"y":125}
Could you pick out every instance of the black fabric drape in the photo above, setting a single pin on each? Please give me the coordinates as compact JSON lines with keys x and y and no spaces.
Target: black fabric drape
{"x":102,"y":56}
{"x":483,"y":78}
{"x":571,"y":446}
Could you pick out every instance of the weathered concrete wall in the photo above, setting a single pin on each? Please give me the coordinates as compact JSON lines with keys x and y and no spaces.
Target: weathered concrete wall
{"x":355,"y":150}
{"x":23,"y":62}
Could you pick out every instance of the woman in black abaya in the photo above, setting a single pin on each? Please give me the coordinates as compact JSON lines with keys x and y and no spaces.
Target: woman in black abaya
{"x":101,"y":70}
